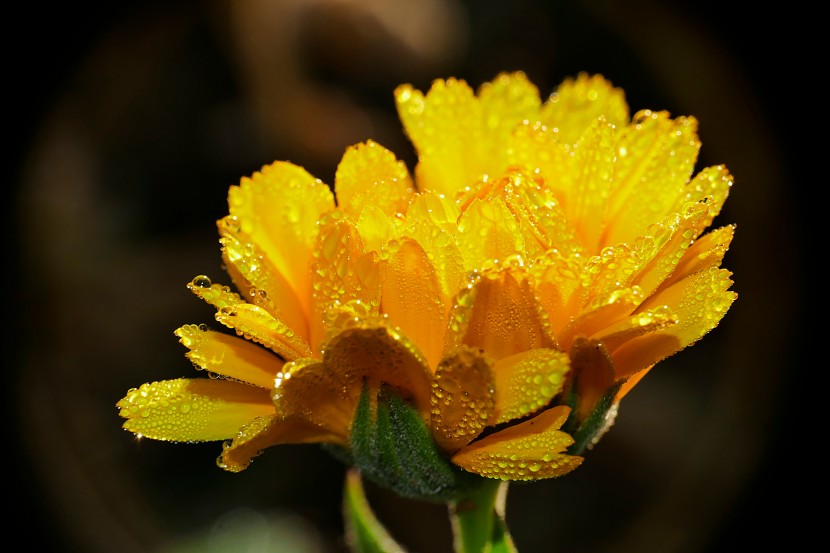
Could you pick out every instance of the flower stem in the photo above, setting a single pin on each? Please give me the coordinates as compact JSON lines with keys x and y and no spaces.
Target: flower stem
{"x":478,"y":520}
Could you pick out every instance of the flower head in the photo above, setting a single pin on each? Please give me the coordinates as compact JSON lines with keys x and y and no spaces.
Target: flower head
{"x":543,"y":258}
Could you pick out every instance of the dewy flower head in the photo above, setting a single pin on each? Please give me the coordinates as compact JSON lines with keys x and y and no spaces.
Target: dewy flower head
{"x":544,"y":258}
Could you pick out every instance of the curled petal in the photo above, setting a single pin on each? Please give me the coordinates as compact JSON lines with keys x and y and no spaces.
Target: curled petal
{"x":267,"y":431}
{"x":531,"y":450}
{"x":230,"y":356}
{"x":462,"y":398}
{"x":527,"y":381}
{"x":192,"y":410}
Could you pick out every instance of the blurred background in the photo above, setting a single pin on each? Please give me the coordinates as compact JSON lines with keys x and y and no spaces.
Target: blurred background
{"x":131,"y":119}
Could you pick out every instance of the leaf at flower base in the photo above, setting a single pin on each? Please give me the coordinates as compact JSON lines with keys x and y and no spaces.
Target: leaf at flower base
{"x":394,"y":448}
{"x":364,"y":532}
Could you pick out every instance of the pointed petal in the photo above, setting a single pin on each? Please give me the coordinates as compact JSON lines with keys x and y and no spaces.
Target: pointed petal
{"x":500,"y":315}
{"x":369,"y":173}
{"x":580,"y":101}
{"x":411,"y":296}
{"x":267,"y":431}
{"x":342,"y":272}
{"x":699,"y":302}
{"x":655,"y":159}
{"x":531,"y":450}
{"x":447,"y":130}
{"x":706,"y":252}
{"x":278,"y":207}
{"x":192,"y":410}
{"x":258,"y":279}
{"x":711,"y":186}
{"x":230,"y":356}
{"x":507,"y":100}
{"x":462,"y":398}
{"x":527,"y":381}
{"x":250,"y":321}
{"x":639,"y":324}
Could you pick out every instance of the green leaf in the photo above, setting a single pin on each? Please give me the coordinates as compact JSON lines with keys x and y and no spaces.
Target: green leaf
{"x":364,"y":532}
{"x":394,"y":448}
{"x":478,"y":520}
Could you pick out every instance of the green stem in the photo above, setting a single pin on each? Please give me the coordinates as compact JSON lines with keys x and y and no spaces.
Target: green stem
{"x":364,"y":532}
{"x":478,"y":520}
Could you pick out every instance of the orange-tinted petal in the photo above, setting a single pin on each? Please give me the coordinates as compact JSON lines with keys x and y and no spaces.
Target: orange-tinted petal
{"x":412,"y":299}
{"x":531,"y":450}
{"x":267,"y":431}
{"x":371,"y":174}
{"x":527,"y":381}
{"x":706,"y":252}
{"x":462,"y":398}
{"x":230,"y":356}
{"x":192,"y":410}
{"x":500,"y":315}
{"x":593,"y":371}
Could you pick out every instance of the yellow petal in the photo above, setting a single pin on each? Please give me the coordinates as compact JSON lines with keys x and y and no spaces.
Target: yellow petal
{"x":639,"y":324}
{"x":229,"y":356}
{"x":462,"y":398}
{"x":558,"y":281}
{"x":531,"y":450}
{"x":580,"y":101}
{"x":711,"y":186}
{"x":487,"y":234}
{"x":371,"y":174}
{"x":267,"y":431}
{"x":655,"y":158}
{"x":587,"y":183}
{"x":342,"y":272}
{"x":699,"y":301}
{"x":411,"y":296}
{"x":706,"y":252}
{"x":278,"y":207}
{"x":447,"y":130}
{"x":527,"y":381}
{"x":258,"y":279}
{"x":376,"y":228}
{"x":192,"y":410}
{"x":500,"y":315}
{"x":600,"y":313}
{"x":507,"y":100}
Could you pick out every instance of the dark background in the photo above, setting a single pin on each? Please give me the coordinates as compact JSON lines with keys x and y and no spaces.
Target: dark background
{"x":130,"y":120}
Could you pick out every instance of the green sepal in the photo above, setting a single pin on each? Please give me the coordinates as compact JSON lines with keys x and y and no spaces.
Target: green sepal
{"x":394,"y":449}
{"x":595,"y":424}
{"x":364,"y":532}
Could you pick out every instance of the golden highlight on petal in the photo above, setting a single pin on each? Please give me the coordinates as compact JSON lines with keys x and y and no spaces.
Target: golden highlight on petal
{"x":531,"y":450}
{"x":542,"y":255}
{"x":192,"y":410}
{"x":462,"y":398}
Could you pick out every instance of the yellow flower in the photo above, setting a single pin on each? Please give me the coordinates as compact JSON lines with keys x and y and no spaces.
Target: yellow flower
{"x":544,"y":257}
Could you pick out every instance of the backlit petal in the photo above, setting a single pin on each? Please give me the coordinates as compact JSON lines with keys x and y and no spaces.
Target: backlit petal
{"x":531,"y":450}
{"x":462,"y":398}
{"x":192,"y":410}
{"x":230,"y":356}
{"x":370,"y":174}
{"x":488,"y":233}
{"x":580,"y":101}
{"x":278,"y":207}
